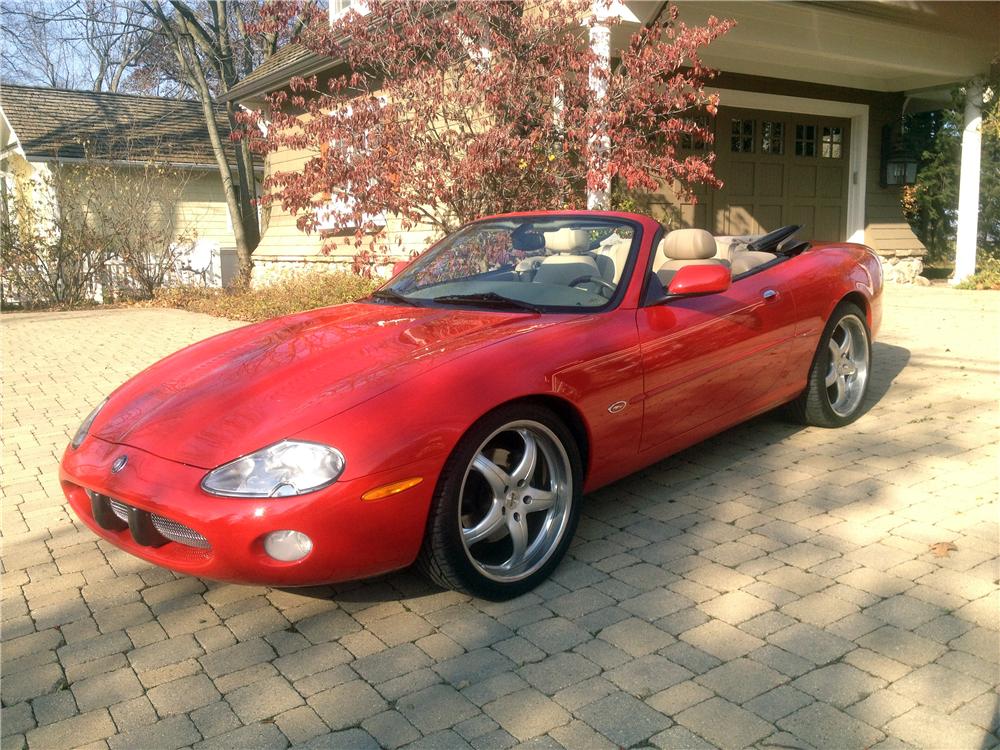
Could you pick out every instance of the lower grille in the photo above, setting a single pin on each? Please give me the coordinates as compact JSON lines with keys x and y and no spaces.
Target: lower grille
{"x":170,"y":529}
{"x":166,"y":528}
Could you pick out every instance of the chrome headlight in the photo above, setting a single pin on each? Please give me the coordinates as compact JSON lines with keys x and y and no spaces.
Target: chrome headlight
{"x":291,"y":467}
{"x":84,"y":428}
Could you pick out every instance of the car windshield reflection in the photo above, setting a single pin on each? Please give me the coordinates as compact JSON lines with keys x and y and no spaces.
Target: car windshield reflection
{"x":538,"y":264}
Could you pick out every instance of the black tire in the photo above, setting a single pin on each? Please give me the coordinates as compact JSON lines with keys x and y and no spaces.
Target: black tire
{"x":816,"y":406}
{"x":444,"y":557}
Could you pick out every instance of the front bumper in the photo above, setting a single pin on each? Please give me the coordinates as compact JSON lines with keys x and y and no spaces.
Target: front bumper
{"x":351,"y":539}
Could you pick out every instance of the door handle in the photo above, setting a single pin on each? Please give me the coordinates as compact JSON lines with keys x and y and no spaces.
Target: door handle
{"x":769,"y":294}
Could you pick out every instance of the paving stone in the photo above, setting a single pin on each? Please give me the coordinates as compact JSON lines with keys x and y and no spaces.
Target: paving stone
{"x":876,"y":664}
{"x":526,"y":713}
{"x":635,"y":636}
{"x":679,"y":738}
{"x":721,"y":640}
{"x":494,"y":687}
{"x":48,"y":709}
{"x":939,"y":687}
{"x":558,"y":671}
{"x":811,"y":643}
{"x":347,"y":704}
{"x":391,"y":663}
{"x":904,"y":611}
{"x":881,"y":707}
{"x":300,"y":725}
{"x":777,"y":703}
{"x":214,"y":719}
{"x":16,"y":719}
{"x":839,"y":684}
{"x":390,"y":729}
{"x":554,"y":635}
{"x":740,"y":680}
{"x":263,"y":700}
{"x":623,"y":719}
{"x":923,"y":727}
{"x":259,"y":736}
{"x":310,"y":660}
{"x":725,"y":724}
{"x":31,"y":683}
{"x":824,"y":726}
{"x":73,"y":732}
{"x":655,"y":604}
{"x":103,"y":690}
{"x":577,"y":734}
{"x":735,"y":607}
{"x":819,"y":609}
{"x":647,"y":675}
{"x":676,"y":698}
{"x":164,"y":653}
{"x":902,"y":646}
{"x":435,"y":708}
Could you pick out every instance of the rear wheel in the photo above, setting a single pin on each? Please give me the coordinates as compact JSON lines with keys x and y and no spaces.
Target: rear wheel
{"x":838,"y":380}
{"x":506,"y":505}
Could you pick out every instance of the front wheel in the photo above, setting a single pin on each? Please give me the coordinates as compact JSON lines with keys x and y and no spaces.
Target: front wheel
{"x":838,"y":379}
{"x":506,"y":505}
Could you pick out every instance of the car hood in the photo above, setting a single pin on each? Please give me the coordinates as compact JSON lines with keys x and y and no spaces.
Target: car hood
{"x":239,"y":391}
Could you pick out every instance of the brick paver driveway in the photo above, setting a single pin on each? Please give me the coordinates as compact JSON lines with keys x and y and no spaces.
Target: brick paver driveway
{"x":774,"y":586}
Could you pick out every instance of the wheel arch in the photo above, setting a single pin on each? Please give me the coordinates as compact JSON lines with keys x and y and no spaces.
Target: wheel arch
{"x":857,"y":298}
{"x":567,"y":412}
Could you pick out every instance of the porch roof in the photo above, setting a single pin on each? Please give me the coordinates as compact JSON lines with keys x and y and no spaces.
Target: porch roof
{"x":914,"y":47}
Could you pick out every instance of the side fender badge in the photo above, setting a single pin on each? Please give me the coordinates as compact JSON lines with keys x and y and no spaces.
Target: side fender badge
{"x":617,"y":406}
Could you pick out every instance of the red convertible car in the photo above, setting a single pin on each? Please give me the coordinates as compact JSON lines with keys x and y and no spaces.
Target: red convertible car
{"x":457,"y":416}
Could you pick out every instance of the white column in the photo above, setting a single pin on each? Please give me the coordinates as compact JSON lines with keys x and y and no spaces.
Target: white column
{"x":968,"y":184}
{"x":599,"y":142}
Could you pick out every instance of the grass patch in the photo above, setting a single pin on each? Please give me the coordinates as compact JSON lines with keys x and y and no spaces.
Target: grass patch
{"x":295,"y":294}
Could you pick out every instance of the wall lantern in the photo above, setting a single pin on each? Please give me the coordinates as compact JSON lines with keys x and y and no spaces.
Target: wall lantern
{"x":899,"y":163}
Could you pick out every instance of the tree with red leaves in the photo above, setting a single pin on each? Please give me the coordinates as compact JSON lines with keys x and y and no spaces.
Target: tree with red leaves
{"x":444,"y":112}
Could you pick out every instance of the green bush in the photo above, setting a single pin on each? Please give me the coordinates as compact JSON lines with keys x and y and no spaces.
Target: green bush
{"x":987,"y":277}
{"x":292,"y":295}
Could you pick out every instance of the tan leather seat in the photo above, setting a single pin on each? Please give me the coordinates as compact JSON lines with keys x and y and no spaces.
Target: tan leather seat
{"x":685,"y":247}
{"x":611,"y":257}
{"x":747,"y":260}
{"x":568,"y":261}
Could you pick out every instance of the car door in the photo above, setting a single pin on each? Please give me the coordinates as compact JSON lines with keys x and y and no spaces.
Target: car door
{"x":709,"y":356}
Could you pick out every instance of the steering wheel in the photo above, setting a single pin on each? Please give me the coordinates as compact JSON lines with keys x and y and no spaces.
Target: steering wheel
{"x":597,"y":280}
{"x":773,"y":239}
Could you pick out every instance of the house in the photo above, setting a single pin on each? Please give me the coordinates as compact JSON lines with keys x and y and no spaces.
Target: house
{"x":812,"y":95}
{"x":41,"y":128}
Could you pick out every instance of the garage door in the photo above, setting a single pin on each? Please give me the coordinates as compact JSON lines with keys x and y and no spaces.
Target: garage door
{"x":781,"y":168}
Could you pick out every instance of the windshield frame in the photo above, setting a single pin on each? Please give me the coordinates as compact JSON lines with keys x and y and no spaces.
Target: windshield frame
{"x":612,"y":303}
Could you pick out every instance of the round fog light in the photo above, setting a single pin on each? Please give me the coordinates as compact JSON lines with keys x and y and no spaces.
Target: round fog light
{"x":287,"y":545}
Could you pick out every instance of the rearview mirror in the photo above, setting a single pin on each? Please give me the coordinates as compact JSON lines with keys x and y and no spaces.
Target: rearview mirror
{"x":700,"y":279}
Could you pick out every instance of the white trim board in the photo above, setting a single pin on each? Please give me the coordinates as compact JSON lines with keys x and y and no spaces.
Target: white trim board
{"x":858,"y":115}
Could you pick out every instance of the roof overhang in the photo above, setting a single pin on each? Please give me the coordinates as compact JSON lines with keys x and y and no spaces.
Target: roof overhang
{"x":877,"y":46}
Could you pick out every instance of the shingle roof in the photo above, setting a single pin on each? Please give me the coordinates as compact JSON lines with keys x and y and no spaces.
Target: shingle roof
{"x":56,"y":122}
{"x":274,"y":73}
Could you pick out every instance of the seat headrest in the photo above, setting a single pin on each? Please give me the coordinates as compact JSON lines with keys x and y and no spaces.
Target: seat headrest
{"x":688,"y":244}
{"x":566,"y":240}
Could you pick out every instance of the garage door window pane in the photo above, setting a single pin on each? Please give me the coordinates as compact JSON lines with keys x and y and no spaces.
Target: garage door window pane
{"x":694,"y":141}
{"x":833,"y":143}
{"x":741,"y":140}
{"x":805,"y":140}
{"x":772,"y":137}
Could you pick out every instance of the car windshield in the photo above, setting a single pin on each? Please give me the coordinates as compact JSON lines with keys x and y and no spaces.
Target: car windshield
{"x":543,"y":263}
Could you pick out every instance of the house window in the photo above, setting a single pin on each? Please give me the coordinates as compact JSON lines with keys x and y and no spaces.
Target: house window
{"x":692,"y":141}
{"x":831,"y":147}
{"x":741,"y":139}
{"x":772,"y":138}
{"x":805,"y":140}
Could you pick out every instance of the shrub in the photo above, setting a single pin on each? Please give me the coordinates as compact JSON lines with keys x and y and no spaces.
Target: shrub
{"x":294,"y":294}
{"x":987,"y":277}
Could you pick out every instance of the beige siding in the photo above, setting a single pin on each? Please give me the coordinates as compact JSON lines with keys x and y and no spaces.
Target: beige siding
{"x":202,"y":209}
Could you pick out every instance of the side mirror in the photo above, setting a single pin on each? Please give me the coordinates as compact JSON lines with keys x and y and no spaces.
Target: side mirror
{"x":698,"y":279}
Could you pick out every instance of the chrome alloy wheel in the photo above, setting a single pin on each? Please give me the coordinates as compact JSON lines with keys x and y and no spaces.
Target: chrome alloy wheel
{"x":847,"y":373}
{"x":515,"y":501}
